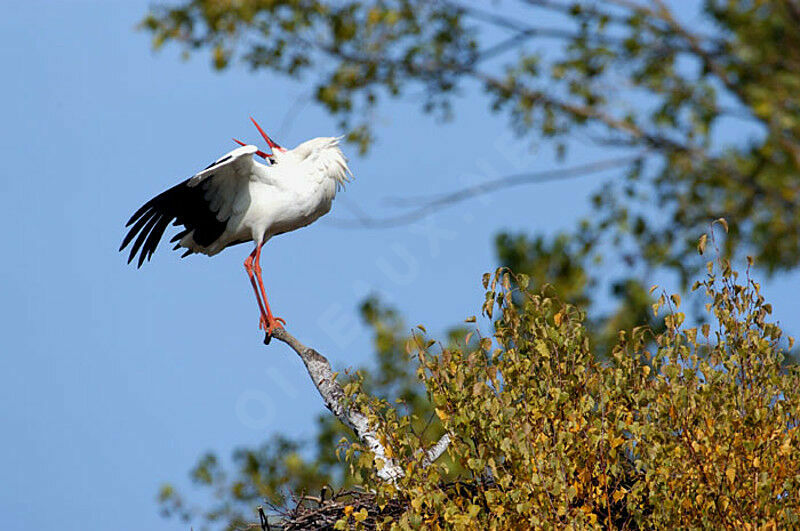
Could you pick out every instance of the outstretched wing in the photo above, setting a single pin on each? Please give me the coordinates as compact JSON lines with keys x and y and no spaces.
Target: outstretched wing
{"x":203,"y":204}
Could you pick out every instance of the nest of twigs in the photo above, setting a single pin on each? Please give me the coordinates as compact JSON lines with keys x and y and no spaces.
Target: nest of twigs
{"x":321,"y":513}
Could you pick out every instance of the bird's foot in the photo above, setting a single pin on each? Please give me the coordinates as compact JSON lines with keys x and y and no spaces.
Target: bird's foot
{"x":268,"y":324}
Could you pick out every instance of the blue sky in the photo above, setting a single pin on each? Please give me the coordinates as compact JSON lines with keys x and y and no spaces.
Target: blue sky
{"x":113,"y":380}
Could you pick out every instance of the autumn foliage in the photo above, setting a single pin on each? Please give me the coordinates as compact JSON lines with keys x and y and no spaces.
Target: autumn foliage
{"x":693,"y":427}
{"x":563,"y":411}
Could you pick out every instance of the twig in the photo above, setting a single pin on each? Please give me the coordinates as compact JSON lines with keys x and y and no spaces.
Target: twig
{"x":487,"y":187}
{"x":263,"y":520}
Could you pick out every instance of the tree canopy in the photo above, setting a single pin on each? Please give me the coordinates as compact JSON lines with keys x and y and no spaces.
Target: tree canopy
{"x":703,"y":121}
{"x":692,"y":426}
{"x":627,"y":75}
{"x":707,"y":115}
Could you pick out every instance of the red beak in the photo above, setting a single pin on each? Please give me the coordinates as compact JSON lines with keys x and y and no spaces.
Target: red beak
{"x":270,"y":143}
{"x":259,"y":152}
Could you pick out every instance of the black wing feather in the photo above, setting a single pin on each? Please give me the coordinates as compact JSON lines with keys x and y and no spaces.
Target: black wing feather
{"x":141,"y":238}
{"x":179,"y":236}
{"x":136,"y":228}
{"x":220,"y":161}
{"x":155,"y":236}
{"x":182,"y":203}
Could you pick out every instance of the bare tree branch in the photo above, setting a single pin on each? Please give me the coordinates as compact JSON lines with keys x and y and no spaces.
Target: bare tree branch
{"x":448,"y":199}
{"x":650,"y":139}
{"x":694,"y":42}
{"x":436,"y":451}
{"x":522,"y":31}
{"x":501,"y":86}
{"x":491,"y":17}
{"x":568,"y":8}
{"x":321,"y":373}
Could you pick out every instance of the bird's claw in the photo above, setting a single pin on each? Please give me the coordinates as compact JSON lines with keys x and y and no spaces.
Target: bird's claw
{"x":269,"y":325}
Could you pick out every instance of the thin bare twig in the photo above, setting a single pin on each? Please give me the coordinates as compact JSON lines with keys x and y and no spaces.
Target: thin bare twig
{"x":522,"y":31}
{"x":448,"y":199}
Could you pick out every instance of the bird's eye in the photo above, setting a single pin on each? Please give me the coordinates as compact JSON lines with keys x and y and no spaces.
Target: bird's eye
{"x":272,"y":161}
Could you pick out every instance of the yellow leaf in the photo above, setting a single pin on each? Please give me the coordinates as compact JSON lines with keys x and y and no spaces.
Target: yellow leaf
{"x":701,"y":245}
{"x":441,"y":414}
{"x":731,"y":475}
{"x":348,"y":510}
{"x":558,"y":318}
{"x":646,"y":370}
{"x":361,"y":515}
{"x":618,"y":495}
{"x":786,"y":447}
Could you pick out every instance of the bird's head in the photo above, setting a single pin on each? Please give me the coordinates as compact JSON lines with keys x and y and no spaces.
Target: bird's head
{"x":276,"y":150}
{"x":323,"y":150}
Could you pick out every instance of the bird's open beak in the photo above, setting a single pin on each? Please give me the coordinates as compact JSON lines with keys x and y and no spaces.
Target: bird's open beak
{"x":259,"y":152}
{"x":274,"y":146}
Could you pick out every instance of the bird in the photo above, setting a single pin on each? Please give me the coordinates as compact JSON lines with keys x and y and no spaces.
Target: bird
{"x":237,"y":199}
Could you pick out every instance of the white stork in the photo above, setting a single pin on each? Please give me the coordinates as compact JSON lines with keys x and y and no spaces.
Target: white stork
{"x":237,"y":199}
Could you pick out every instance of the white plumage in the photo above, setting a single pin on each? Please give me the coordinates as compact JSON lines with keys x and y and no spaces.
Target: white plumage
{"x":237,"y":199}
{"x":259,"y":201}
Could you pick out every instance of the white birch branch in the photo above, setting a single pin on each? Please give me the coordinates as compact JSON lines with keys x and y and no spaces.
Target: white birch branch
{"x":435,"y":452}
{"x":321,"y":373}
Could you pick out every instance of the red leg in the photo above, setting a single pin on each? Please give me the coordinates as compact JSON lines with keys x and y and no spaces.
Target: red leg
{"x":248,"y":266}
{"x":272,"y":322}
